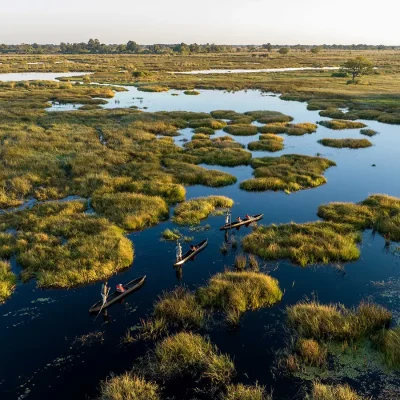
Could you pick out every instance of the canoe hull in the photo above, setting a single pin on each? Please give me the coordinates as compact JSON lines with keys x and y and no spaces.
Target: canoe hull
{"x":130,"y":287}
{"x":234,"y":225}
{"x":190,"y":254}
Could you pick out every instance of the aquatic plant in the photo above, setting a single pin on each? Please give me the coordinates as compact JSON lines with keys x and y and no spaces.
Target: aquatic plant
{"x":304,"y":244}
{"x":171,"y":235}
{"x":245,"y":392}
{"x":205,"y":130}
{"x":188,"y":354}
{"x":241,"y":130}
{"x":206,"y":123}
{"x":191,"y":212}
{"x":332,"y":392}
{"x":131,"y":211}
{"x":289,"y":173}
{"x":342,"y":124}
{"x":152,"y":88}
{"x":236,"y":292}
{"x":178,"y":308}
{"x":311,"y":352}
{"x":8,"y":280}
{"x":368,"y":132}
{"x":128,"y":387}
{"x":289,"y":129}
{"x":346,"y":143}
{"x":267,"y":142}
{"x":267,"y":117}
{"x":390,"y":347}
{"x":379,"y":212}
{"x":191,"y":92}
{"x":320,"y":321}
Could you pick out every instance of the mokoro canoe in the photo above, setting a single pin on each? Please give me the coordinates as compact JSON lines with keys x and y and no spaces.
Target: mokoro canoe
{"x":191,"y":253}
{"x":116,"y":296}
{"x":233,"y":225}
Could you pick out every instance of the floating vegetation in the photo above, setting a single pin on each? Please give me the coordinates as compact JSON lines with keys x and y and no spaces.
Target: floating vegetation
{"x":368,"y":132}
{"x":379,"y":212}
{"x":241,"y":130}
{"x":131,"y":211}
{"x":206,"y":123}
{"x":289,"y":129}
{"x":236,"y":292}
{"x":267,"y":142}
{"x":342,"y":124}
{"x":346,"y":143}
{"x":191,"y":92}
{"x":289,"y":173}
{"x":191,"y":212}
{"x":171,"y":235}
{"x":305,"y":244}
{"x":128,"y":387}
{"x":204,"y":129}
{"x":90,"y":338}
{"x":152,"y":89}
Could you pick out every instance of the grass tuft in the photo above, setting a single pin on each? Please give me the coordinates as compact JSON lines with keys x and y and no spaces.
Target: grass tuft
{"x":8,"y":281}
{"x":332,"y":392}
{"x":346,"y":143}
{"x":342,"y":124}
{"x":245,"y":392}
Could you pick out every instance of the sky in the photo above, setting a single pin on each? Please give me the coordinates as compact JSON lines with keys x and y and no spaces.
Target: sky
{"x":207,"y":21}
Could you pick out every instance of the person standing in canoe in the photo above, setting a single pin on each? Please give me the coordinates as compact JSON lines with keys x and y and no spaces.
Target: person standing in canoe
{"x":228,"y":218}
{"x":104,"y":292}
{"x":178,"y":251}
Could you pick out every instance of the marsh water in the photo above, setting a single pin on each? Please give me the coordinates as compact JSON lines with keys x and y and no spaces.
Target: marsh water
{"x":40,"y":355}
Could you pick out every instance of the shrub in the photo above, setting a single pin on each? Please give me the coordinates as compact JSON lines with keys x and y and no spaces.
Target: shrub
{"x":128,"y":387}
{"x":346,"y":143}
{"x":236,"y":292}
{"x":179,"y":309}
{"x":304,"y":244}
{"x":342,"y":124}
{"x":241,"y":130}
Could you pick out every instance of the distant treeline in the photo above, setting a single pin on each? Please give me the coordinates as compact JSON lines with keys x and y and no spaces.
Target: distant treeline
{"x":94,"y":46}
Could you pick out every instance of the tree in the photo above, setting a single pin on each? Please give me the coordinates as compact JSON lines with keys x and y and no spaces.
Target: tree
{"x":316,"y":49}
{"x":358,"y":67}
{"x":284,"y":50}
{"x":132,"y":47}
{"x":267,"y":46}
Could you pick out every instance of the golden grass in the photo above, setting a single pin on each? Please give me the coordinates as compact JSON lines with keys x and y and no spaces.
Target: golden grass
{"x":236,"y":292}
{"x":311,"y":352}
{"x":332,"y":392}
{"x":245,"y":392}
{"x":304,"y":244}
{"x":337,"y":124}
{"x":346,"y":143}
{"x":8,"y":281}
{"x":128,"y":387}
{"x":191,"y":212}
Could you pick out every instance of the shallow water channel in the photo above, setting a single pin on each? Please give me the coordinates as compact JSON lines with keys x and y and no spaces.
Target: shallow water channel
{"x":40,"y":357}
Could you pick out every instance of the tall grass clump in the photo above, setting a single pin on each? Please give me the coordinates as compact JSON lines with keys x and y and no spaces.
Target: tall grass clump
{"x":128,"y":387}
{"x":311,"y":352}
{"x":207,"y":123}
{"x":378,"y":212}
{"x":332,"y":321}
{"x":345,"y":143}
{"x":266,"y":117}
{"x":289,"y":173}
{"x":236,"y":292}
{"x":179,"y":309}
{"x":241,"y":130}
{"x":131,"y":211}
{"x":156,"y":89}
{"x":205,"y":130}
{"x":341,"y":124}
{"x":390,"y":347}
{"x":191,"y":212}
{"x":267,"y":142}
{"x":171,"y":235}
{"x":245,"y":392}
{"x":304,"y":244}
{"x":189,"y":355}
{"x":332,"y":392}
{"x":368,"y":132}
{"x":8,"y":281}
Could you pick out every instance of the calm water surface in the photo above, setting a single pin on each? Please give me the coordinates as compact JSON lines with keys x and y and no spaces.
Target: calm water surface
{"x":40,"y":358}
